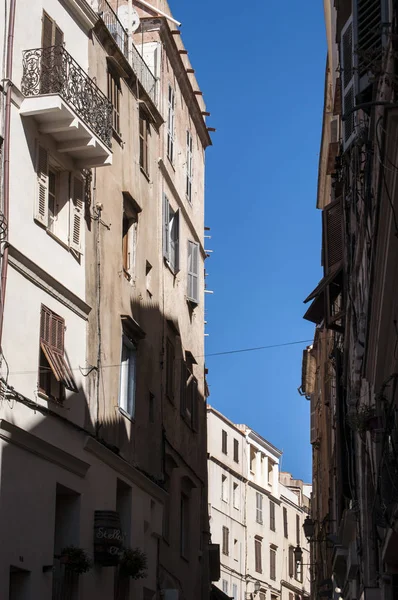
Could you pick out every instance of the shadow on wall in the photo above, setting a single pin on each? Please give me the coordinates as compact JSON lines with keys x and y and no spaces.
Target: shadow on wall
{"x":41,"y":504}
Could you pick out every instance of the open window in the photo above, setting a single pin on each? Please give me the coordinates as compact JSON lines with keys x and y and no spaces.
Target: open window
{"x":193,"y":272}
{"x":171,"y":235}
{"x":54,"y":372}
{"x":129,"y":235}
{"x":189,"y":403}
{"x":131,"y":335}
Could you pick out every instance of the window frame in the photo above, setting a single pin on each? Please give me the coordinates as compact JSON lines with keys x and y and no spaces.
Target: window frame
{"x":285,"y":523}
{"x":224,"y":442}
{"x":193,"y":272}
{"x":272,"y":564}
{"x":235,"y":495}
{"x":171,"y":227}
{"x":236,"y":451}
{"x":224,"y":488}
{"x":127,"y":404}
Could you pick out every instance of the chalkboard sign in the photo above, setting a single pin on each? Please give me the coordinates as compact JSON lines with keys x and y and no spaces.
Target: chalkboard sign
{"x":108,"y":538}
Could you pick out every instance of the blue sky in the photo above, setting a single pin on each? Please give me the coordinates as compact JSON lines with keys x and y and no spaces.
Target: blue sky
{"x":261,"y":67}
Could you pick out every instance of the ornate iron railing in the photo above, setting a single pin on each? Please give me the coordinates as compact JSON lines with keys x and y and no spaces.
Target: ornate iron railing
{"x":119,"y":33}
{"x":53,"y":71}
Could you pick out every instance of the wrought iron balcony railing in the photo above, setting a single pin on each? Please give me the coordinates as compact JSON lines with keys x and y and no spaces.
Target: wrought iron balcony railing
{"x":119,"y":33}
{"x":53,"y":71}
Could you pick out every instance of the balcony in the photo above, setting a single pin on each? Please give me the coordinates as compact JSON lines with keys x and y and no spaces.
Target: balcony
{"x":67,"y":105}
{"x":119,"y":34}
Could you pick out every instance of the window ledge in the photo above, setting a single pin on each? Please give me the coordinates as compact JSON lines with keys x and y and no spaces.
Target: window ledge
{"x":118,"y":137}
{"x":126,"y":414}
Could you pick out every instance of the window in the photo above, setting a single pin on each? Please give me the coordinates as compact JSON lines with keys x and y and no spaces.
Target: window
{"x":272,"y":564}
{"x":291,"y":561}
{"x":224,"y":442}
{"x":259,"y":508}
{"x":189,"y":167}
{"x":54,"y":372}
{"x":235,"y":495}
{"x":59,"y":206}
{"x":236,"y":550}
{"x":285,"y":529}
{"x":128,"y":376}
{"x":184,"y":528}
{"x":114,"y":91}
{"x":236,"y":450}
{"x":145,"y":132}
{"x":298,"y":530}
{"x":234,"y":591}
{"x":171,"y":234}
{"x":252,"y":459}
{"x":224,"y":488}
{"x":270,"y":472}
{"x":170,"y":125}
{"x":225,"y":586}
{"x":51,"y":34}
{"x":129,"y":239}
{"x":189,"y":401}
{"x":225,"y":541}
{"x":193,"y":272}
{"x":257,"y":554}
{"x":272,"y":515}
{"x":170,"y":354}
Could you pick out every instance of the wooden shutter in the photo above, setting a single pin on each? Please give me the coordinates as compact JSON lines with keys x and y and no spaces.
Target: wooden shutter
{"x":183,"y":389}
{"x":332,"y":236}
{"x":225,"y":540}
{"x":169,"y":369}
{"x":285,"y":529}
{"x":41,"y":206}
{"x":291,"y":561}
{"x":77,"y":216}
{"x":47,"y":31}
{"x":236,"y":451}
{"x":52,"y":330}
{"x":224,"y":441}
{"x":58,"y":36}
{"x":272,"y":557}
{"x":271,"y":515}
{"x":166,"y":218}
{"x":369,"y":32}
{"x":193,"y":271}
{"x":298,"y":530}
{"x":257,"y":555}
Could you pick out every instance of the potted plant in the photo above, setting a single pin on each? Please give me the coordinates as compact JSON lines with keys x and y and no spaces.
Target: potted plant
{"x":75,"y":559}
{"x":133,"y":563}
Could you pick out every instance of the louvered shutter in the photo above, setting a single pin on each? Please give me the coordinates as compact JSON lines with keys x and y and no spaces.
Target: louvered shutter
{"x":47,"y":31}
{"x":183,"y":389}
{"x":332,"y":236}
{"x":77,"y":216}
{"x":193,"y":271}
{"x":41,"y":205}
{"x":166,"y":241}
{"x":369,"y":34}
{"x":348,"y":82}
{"x":176,"y":241}
{"x":58,"y":37}
{"x":45,"y":325}
{"x":57,"y":333}
{"x":194,"y":403}
{"x":291,"y":561}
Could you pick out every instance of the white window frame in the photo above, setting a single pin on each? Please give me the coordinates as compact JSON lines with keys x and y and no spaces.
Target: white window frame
{"x":170,"y":124}
{"x":189,"y":167}
{"x":171,"y":235}
{"x":128,"y":371}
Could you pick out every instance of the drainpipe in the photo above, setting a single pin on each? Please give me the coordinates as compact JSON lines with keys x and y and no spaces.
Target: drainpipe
{"x":6,"y":178}
{"x":160,"y":12}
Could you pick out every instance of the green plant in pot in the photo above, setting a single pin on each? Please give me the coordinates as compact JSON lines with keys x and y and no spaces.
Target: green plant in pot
{"x":133,"y":563}
{"x":75,"y":559}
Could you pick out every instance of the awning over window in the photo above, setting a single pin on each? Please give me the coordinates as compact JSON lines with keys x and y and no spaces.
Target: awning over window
{"x":59,"y":366}
{"x":323,"y":300}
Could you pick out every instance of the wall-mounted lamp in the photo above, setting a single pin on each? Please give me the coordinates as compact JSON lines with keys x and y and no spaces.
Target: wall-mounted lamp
{"x":257,"y":586}
{"x":309,"y":528}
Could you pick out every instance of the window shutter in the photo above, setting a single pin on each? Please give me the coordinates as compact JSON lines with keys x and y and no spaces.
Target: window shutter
{"x":166,"y":241}
{"x":291,"y":561}
{"x":195,"y":404}
{"x":257,"y":555}
{"x":332,"y":236}
{"x":47,"y":31}
{"x":273,"y":564}
{"x":57,"y":333}
{"x":41,"y":208}
{"x":177,"y":242}
{"x":77,"y":215}
{"x":369,"y":32}
{"x":183,"y":389}
{"x":59,"y":36}
{"x":298,"y":530}
{"x":193,"y":271}
{"x":348,"y":82}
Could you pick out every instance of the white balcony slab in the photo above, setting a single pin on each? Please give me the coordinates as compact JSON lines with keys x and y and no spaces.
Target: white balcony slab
{"x":72,"y":135}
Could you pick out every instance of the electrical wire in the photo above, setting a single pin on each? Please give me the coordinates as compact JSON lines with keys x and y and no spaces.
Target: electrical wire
{"x":241,"y":350}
